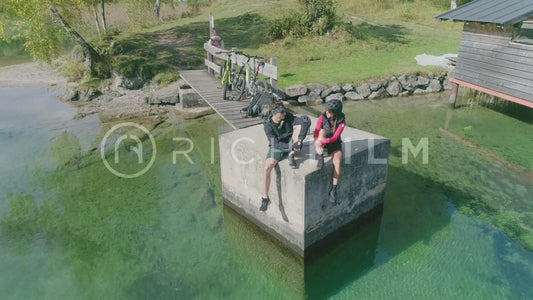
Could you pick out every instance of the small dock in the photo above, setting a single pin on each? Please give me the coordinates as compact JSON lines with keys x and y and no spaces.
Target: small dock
{"x":208,"y":87}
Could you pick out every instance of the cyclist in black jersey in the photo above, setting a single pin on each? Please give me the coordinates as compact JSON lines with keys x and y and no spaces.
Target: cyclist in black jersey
{"x":285,"y":133}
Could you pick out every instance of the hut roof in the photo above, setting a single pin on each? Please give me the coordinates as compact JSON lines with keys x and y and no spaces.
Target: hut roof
{"x":503,"y":13}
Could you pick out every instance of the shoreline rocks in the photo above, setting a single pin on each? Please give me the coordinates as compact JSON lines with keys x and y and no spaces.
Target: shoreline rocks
{"x":401,"y":86}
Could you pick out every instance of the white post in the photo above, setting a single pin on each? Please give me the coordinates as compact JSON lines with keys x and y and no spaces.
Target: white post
{"x":274,"y":81}
{"x":210,"y":56}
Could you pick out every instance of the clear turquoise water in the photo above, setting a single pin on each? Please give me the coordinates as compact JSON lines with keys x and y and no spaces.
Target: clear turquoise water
{"x":457,"y":227}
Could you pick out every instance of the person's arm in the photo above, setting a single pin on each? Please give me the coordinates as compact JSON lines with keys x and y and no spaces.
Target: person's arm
{"x":336,"y":135}
{"x":305,"y":123}
{"x":318,"y":126}
{"x":270,"y":134}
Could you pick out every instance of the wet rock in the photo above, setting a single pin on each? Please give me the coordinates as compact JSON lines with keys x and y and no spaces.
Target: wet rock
{"x":381,"y":93}
{"x":315,"y":86}
{"x":408,"y":82}
{"x":422,"y":82}
{"x":337,"y":96}
{"x":364,"y":90}
{"x":434,"y":86}
{"x":420,"y":92}
{"x":375,"y":86}
{"x":296,"y":90}
{"x":332,"y":90}
{"x":394,"y":88}
{"x":129,"y":83}
{"x":70,"y":95}
{"x":303,"y":99}
{"x":314,"y":98}
{"x":193,"y":112}
{"x":446,"y":83}
{"x":347,"y":87}
{"x":165,"y":95}
{"x":353,"y":96}
{"x":88,"y":94}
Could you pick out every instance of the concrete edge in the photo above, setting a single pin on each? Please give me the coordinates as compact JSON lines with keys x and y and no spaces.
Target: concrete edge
{"x":264,"y":228}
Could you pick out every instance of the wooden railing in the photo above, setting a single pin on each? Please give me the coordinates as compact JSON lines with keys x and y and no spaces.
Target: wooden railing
{"x":269,"y":70}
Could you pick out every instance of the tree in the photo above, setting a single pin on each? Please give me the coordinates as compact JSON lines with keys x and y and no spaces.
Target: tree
{"x":93,"y":4}
{"x":38,"y":21}
{"x":454,"y":4}
{"x":157,"y":7}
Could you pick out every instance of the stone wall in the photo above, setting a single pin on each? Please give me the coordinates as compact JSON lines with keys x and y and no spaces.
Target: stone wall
{"x":404,"y":85}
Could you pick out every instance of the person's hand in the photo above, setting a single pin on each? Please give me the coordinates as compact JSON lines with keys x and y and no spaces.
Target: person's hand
{"x":297,"y":146}
{"x":318,"y":143}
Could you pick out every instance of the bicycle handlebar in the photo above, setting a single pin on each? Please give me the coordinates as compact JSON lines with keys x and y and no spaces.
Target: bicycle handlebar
{"x":241,"y":53}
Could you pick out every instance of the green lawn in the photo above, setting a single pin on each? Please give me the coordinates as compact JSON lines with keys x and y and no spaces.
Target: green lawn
{"x":373,"y":41}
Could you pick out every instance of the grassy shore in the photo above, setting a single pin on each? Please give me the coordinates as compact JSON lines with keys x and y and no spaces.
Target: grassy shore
{"x":374,"y":39}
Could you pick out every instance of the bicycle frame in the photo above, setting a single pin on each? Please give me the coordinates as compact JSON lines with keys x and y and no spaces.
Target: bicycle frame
{"x":226,"y":73}
{"x":247,"y":82}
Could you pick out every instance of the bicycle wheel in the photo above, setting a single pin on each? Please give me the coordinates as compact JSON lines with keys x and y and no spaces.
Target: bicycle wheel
{"x":225,"y":87}
{"x":240,"y":84}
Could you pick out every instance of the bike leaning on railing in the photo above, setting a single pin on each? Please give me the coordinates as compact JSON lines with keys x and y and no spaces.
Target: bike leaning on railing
{"x":246,"y":81}
{"x":227,"y":73}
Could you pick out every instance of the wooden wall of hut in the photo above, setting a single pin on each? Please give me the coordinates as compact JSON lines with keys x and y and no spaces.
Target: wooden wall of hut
{"x":488,"y":58}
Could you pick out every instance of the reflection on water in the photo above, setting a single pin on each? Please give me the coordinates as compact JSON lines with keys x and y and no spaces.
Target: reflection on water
{"x":71,"y":229}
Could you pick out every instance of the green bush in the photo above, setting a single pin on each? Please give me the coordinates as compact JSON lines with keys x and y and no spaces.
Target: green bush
{"x":319,"y":17}
{"x":293,"y":25}
{"x":133,"y":66}
{"x":75,"y":71}
{"x":166,"y":78}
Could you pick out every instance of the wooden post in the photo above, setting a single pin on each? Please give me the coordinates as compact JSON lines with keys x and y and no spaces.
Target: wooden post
{"x":453,"y":95}
{"x":210,"y":56}
{"x":274,"y":81}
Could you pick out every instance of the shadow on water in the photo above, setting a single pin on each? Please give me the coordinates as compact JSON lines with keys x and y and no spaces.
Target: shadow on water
{"x":472,"y":98}
{"x":511,"y":109}
{"x":415,"y":209}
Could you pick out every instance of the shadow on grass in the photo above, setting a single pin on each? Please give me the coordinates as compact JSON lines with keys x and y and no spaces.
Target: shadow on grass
{"x":384,"y":33}
{"x":147,"y":54}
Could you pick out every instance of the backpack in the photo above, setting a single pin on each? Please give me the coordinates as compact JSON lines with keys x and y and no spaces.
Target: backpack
{"x":259,"y":105}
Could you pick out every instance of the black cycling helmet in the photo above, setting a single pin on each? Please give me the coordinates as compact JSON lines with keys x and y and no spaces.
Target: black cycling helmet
{"x":333,"y":105}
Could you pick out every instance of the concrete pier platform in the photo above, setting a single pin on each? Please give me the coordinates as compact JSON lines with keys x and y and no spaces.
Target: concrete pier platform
{"x":300,"y":214}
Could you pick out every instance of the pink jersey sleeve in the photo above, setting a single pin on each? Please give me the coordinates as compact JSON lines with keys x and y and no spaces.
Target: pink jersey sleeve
{"x":336,"y":135}
{"x":318,"y":126}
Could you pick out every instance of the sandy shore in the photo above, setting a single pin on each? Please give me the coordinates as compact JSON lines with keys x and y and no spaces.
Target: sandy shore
{"x":31,"y":75}
{"x":113,"y":104}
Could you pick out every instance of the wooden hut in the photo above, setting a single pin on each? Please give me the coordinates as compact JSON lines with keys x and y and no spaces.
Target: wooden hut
{"x":496,"y":52}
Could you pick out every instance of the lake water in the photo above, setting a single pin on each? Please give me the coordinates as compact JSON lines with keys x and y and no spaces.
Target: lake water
{"x":458,"y":226}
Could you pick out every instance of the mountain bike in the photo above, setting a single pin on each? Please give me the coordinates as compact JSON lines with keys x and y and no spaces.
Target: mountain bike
{"x":227,"y":73}
{"x":246,"y":81}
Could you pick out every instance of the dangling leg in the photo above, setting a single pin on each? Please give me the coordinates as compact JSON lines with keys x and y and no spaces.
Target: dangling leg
{"x":336,"y":158}
{"x":295,"y":134}
{"x":270,"y":163}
